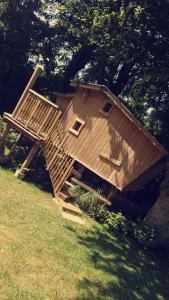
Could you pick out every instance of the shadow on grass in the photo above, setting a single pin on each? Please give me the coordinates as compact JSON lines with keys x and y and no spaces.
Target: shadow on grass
{"x":127,"y":272}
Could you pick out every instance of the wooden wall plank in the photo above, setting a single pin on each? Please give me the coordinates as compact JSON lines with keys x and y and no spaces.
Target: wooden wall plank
{"x":115,"y":135}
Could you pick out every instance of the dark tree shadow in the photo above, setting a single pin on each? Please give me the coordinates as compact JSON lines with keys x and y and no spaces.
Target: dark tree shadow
{"x":135,"y":274}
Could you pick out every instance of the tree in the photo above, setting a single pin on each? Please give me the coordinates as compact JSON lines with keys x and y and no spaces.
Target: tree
{"x":122,"y":44}
{"x":25,"y":37}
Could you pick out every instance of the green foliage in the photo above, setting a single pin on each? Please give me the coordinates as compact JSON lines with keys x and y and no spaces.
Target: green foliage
{"x":76,"y":191}
{"x":90,"y":203}
{"x":130,"y":53}
{"x":124,"y":43}
{"x":18,"y":153}
{"x":144,"y":233}
{"x":24,"y":39}
{"x":2,"y":126}
{"x":117,"y":222}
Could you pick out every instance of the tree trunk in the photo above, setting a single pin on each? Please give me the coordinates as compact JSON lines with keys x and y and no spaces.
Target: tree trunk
{"x":78,"y":62}
{"x":122,"y":79}
{"x":159,"y":213}
{"x":100,"y":70}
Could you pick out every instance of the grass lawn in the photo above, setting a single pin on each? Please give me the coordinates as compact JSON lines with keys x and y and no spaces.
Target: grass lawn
{"x":42,"y":256}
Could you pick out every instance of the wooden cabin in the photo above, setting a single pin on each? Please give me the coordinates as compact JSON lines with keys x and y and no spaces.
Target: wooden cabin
{"x":106,"y":138}
{"x":87,"y":132}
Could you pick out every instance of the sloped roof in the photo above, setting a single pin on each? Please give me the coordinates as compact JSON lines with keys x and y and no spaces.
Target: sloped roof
{"x":122,"y":107}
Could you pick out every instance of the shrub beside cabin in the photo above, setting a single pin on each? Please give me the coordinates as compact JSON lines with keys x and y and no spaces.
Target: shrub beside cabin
{"x":88,"y":138}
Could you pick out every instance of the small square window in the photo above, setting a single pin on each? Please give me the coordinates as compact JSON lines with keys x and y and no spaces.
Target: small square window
{"x":106,"y":108}
{"x":77,"y":126}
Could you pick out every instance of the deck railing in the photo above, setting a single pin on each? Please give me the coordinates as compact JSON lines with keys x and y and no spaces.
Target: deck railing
{"x":37,"y":114}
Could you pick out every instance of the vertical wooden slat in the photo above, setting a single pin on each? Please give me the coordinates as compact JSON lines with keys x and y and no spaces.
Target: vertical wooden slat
{"x":48,"y":113}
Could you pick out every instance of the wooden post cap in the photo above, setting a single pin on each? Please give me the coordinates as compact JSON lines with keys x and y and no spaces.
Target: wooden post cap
{"x":39,"y":69}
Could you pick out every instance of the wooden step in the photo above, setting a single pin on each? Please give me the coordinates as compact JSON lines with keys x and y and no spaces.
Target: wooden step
{"x":64,"y":196}
{"x":70,"y":208}
{"x":73,"y":218}
{"x":76,"y":173}
{"x":69,"y":216}
{"x":69,"y":184}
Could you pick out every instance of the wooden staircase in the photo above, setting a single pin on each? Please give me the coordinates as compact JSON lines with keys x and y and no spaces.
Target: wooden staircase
{"x":67,"y":206}
{"x":40,"y":120}
{"x":59,"y":164}
{"x":58,"y":161}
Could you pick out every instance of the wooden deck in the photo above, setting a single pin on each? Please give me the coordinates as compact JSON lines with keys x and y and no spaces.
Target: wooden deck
{"x":36,"y":115}
{"x":40,"y":120}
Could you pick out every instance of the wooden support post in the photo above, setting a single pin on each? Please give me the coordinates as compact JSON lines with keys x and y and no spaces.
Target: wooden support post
{"x":81,"y":169}
{"x":35,"y":76}
{"x":112,"y":193}
{"x":40,"y":152}
{"x":19,"y":138}
{"x":20,"y":174}
{"x":3,"y":137}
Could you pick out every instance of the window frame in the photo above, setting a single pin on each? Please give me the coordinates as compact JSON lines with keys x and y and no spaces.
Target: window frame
{"x":74,"y":131}
{"x":102,"y":110}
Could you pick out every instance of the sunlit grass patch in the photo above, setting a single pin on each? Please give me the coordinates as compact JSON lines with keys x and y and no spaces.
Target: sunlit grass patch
{"x":42,"y":256}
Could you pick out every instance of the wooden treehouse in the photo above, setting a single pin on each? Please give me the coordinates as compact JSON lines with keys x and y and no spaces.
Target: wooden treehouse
{"x":87,"y":138}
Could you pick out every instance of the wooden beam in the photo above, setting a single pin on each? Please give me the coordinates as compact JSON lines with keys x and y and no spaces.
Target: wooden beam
{"x":21,"y":172}
{"x":33,"y":79}
{"x":114,"y":161}
{"x":86,"y":85}
{"x":97,"y":173}
{"x":76,"y":173}
{"x":89,"y":189}
{"x":68,"y":95}
{"x":147,"y":176}
{"x":44,"y":99}
{"x":18,"y":127}
{"x":112,"y":193}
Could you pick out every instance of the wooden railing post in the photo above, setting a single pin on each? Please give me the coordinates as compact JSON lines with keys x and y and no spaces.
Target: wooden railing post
{"x":33,"y":79}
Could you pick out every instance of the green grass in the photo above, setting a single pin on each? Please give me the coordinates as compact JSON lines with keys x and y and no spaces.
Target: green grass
{"x":42,"y":256}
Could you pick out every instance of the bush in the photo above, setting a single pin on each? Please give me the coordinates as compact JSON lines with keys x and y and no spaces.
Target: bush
{"x":117,"y":222}
{"x":76,"y":192}
{"x":144,"y":232}
{"x":2,"y":126}
{"x":90,"y":203}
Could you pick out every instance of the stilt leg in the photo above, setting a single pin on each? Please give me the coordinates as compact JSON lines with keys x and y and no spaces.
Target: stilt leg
{"x":111,"y":194}
{"x":20,"y":174}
